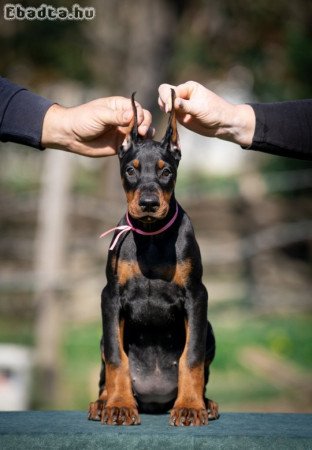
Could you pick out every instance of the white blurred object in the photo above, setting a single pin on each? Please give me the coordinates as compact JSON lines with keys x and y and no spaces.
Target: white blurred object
{"x":15,"y":377}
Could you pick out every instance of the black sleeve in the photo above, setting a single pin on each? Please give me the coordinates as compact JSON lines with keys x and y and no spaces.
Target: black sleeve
{"x":21,"y":114}
{"x":284,"y":128}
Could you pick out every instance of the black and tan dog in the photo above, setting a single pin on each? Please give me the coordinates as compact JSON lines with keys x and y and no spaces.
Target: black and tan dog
{"x":157,"y":344}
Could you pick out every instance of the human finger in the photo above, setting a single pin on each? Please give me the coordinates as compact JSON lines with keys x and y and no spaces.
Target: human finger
{"x":164,"y":97}
{"x":144,"y":123}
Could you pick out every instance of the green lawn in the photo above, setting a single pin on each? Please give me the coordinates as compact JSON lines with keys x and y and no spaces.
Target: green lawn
{"x":235,"y":386}
{"x":289,"y":337}
{"x":232,"y":384}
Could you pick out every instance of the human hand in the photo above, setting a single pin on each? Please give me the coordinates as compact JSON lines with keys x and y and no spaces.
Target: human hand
{"x":93,"y":129}
{"x":204,"y":112}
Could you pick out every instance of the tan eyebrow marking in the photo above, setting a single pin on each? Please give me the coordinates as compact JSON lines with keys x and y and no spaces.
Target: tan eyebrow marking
{"x":136,"y":163}
{"x":161,"y":164}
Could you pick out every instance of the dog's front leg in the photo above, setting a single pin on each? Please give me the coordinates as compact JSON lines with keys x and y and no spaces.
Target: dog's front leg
{"x":189,"y":407}
{"x":120,"y":407}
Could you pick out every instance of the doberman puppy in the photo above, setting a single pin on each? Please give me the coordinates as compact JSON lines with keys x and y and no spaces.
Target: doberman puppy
{"x":157,"y":344}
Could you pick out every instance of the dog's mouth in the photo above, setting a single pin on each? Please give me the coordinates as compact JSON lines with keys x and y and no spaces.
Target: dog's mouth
{"x":148,"y":217}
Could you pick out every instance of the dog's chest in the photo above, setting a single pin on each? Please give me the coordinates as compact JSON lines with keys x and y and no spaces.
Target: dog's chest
{"x":150,"y":265}
{"x":151,"y":282}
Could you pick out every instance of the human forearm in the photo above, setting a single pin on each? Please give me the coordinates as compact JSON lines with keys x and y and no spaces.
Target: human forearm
{"x":284,"y":128}
{"x":239,"y":127}
{"x":21,"y":114}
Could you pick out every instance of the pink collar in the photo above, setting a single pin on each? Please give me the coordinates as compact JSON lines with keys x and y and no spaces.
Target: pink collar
{"x":124,"y":228}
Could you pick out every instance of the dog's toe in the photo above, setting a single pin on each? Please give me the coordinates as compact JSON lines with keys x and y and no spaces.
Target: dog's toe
{"x":114,"y":415}
{"x":185,"y":417}
{"x":213,"y":409}
{"x":95,"y":410}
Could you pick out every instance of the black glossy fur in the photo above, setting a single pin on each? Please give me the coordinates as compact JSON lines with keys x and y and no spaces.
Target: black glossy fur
{"x":154,"y":287}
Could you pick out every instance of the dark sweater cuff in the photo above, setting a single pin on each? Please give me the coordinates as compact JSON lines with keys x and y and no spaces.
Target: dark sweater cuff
{"x":23,"y":119}
{"x":283,"y":128}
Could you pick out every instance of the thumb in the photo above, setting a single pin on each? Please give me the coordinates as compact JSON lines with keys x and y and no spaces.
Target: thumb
{"x":115,"y":117}
{"x":183,"y":106}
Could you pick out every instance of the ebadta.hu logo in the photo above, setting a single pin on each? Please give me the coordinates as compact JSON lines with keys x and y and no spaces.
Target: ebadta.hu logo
{"x":47,"y":12}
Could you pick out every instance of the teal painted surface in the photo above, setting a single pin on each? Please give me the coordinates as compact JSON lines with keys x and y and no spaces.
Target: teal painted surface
{"x":72,"y":430}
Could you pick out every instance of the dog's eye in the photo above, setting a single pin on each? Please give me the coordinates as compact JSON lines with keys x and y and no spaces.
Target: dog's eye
{"x":166,"y":173}
{"x":130,"y":171}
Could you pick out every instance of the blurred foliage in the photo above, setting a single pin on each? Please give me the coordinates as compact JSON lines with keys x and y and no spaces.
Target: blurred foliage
{"x":287,"y":338}
{"x":271,"y":39}
{"x":16,"y":331}
{"x":48,"y":49}
{"x":194,"y":182}
{"x":274,"y":165}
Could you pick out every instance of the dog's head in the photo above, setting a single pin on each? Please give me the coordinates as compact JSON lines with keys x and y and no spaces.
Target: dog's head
{"x":149,"y":170}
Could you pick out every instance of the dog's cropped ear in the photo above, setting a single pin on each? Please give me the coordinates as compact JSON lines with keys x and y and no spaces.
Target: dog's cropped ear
{"x":132,"y":135}
{"x":171,"y":139}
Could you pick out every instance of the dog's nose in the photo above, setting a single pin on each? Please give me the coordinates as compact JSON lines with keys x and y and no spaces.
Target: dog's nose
{"x":149,"y":203}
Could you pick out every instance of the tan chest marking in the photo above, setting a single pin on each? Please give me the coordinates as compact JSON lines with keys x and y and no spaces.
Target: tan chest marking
{"x":178,"y":274}
{"x":182,"y":272}
{"x":125,"y":270}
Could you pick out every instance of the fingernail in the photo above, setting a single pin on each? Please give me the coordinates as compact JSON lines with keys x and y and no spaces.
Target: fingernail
{"x":127,"y":115}
{"x":143,"y":130}
{"x":151,"y":132}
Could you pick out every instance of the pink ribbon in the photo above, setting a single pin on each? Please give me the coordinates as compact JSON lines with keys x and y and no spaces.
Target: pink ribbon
{"x":125,"y":228}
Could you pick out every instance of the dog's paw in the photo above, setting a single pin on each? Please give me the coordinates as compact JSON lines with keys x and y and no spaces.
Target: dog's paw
{"x":95,"y":410}
{"x":180,"y":417}
{"x":120,"y":416}
{"x":212,"y":408}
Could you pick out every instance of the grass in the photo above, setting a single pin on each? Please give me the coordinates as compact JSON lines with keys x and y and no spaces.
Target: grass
{"x":231,"y":384}
{"x":15,"y":331}
{"x":199,"y":183}
{"x":289,"y":337}
{"x":236,"y":387}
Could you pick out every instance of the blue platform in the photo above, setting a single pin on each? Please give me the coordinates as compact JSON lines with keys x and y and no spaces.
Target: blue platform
{"x":71,"y":430}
